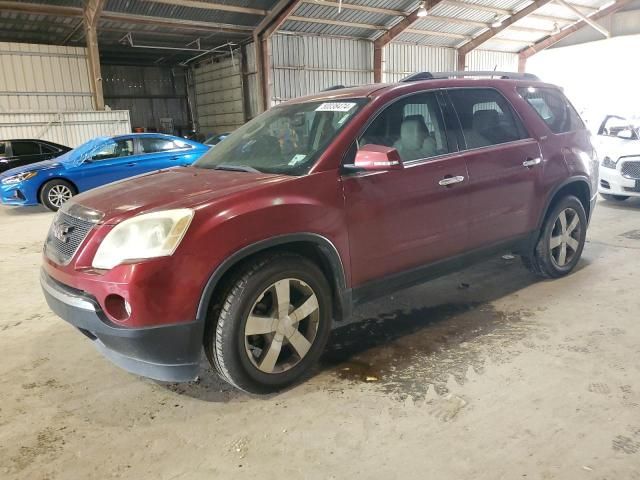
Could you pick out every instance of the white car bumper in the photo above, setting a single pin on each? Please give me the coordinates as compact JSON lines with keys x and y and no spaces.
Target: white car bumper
{"x":623,"y":180}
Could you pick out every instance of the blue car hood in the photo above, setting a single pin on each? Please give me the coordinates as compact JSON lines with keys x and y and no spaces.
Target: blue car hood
{"x":72,"y":157}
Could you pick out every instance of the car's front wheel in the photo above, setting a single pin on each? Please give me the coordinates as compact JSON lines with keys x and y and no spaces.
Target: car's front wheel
{"x":55,"y":193}
{"x":561,"y":241}
{"x":272,"y":324}
{"x":614,"y":198}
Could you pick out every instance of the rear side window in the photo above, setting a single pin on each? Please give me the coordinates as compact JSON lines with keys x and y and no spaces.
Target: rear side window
{"x":47,"y":148}
{"x":2,"y":148}
{"x":155,"y":145}
{"x":554,"y":108}
{"x":25,"y":148}
{"x":486,"y":117}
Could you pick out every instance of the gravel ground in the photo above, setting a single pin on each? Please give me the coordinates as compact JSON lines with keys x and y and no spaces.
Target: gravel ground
{"x":484,"y":374}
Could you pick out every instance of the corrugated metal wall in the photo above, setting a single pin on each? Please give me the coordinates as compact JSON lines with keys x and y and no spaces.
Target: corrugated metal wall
{"x":219,"y":96}
{"x":151,"y":94}
{"x":402,"y":59}
{"x":490,"y":60}
{"x":304,"y":64}
{"x":43,"y":78}
{"x":67,"y":128}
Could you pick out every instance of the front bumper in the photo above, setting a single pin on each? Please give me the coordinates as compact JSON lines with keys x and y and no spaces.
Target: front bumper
{"x":168,"y":353}
{"x":614,"y":183}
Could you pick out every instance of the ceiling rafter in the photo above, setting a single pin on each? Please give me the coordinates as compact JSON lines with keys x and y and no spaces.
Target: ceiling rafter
{"x":211,"y":6}
{"x":326,"y":21}
{"x":361,"y":8}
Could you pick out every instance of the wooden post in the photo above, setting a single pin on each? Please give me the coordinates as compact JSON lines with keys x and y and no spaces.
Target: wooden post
{"x":91,"y":14}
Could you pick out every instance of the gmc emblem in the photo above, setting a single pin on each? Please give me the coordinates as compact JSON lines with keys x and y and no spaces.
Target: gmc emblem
{"x":61,"y":231}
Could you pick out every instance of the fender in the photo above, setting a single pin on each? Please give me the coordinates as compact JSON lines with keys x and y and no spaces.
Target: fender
{"x":328,"y":249}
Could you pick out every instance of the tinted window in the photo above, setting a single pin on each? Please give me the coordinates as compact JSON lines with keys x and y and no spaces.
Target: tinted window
{"x":155,"y":145}
{"x":554,"y":108}
{"x":412,"y":125}
{"x":486,"y":117}
{"x":2,"y":148}
{"x":121,"y":148}
{"x":25,"y":148}
{"x":47,"y":148}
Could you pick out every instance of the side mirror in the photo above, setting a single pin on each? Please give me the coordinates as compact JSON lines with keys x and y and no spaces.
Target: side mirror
{"x":377,"y":157}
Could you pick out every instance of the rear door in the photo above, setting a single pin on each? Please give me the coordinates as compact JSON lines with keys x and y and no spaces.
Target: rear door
{"x":403,"y":219}
{"x":161,"y":152}
{"x":504,"y":164}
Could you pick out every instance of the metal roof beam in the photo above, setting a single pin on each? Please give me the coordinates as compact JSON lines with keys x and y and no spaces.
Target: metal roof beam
{"x":502,"y":11}
{"x":553,"y":39}
{"x":437,"y":33}
{"x":492,"y":32}
{"x":211,"y":6}
{"x":584,"y":18}
{"x":475,"y":23}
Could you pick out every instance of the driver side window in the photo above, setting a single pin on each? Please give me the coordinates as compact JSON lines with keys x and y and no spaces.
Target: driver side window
{"x":121,"y":148}
{"x":413,"y":126}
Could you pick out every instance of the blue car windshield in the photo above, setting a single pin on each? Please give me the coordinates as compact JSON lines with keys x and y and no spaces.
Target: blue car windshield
{"x":79,"y":153}
{"x":287,"y":139}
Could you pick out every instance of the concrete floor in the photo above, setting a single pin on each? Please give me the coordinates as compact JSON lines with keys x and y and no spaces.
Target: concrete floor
{"x":485,"y":374}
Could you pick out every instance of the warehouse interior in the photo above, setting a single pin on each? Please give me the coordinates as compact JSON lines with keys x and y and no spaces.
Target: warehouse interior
{"x":484,"y":373}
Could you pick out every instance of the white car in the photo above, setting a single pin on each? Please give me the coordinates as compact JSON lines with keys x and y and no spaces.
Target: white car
{"x":618,"y":147}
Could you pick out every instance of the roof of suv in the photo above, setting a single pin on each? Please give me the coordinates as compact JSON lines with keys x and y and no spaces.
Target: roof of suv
{"x":380,"y":89}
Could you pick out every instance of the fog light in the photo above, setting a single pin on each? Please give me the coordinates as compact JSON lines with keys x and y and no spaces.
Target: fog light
{"x":117,"y":307}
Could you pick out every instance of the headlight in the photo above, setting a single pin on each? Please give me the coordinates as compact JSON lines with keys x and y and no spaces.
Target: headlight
{"x":607,"y":162}
{"x":151,"y":235}
{"x":20,"y":177}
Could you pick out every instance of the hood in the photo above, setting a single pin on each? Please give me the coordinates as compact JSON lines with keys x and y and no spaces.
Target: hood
{"x":38,"y":166}
{"x":182,"y":187}
{"x":613,"y":147}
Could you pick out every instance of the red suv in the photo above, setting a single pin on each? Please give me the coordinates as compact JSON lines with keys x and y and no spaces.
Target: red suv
{"x":315,"y":206}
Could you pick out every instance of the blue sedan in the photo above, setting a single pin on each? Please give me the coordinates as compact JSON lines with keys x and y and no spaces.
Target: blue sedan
{"x":97,"y":162}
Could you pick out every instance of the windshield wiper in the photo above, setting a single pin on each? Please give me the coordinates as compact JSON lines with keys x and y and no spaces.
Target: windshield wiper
{"x":237,"y":168}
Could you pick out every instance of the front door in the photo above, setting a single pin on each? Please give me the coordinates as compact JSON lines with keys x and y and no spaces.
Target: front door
{"x":504,"y":165}
{"x":112,"y":161}
{"x":403,"y":219}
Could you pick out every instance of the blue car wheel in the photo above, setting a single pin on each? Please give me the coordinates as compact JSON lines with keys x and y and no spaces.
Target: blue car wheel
{"x":55,"y":192}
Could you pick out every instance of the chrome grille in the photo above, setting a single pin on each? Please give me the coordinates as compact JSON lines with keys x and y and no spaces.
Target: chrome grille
{"x":631,"y":170}
{"x":65,"y":236}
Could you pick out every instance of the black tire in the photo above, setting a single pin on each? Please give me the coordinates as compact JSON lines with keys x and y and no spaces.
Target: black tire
{"x":52,"y":186}
{"x":544,"y":262}
{"x":614,"y":198}
{"x":225,"y":344}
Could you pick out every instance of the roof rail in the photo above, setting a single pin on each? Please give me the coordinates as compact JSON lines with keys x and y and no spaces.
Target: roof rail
{"x":489,"y":73}
{"x":333,"y":87}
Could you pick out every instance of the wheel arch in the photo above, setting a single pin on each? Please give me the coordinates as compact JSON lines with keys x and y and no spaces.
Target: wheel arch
{"x":576,"y":186}
{"x":313,"y":246}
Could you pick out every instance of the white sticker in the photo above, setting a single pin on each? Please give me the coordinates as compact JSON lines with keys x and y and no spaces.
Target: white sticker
{"x":335,"y":107}
{"x":297,"y":159}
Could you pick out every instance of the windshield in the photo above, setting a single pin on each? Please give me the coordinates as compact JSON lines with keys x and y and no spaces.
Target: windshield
{"x":287,"y":139}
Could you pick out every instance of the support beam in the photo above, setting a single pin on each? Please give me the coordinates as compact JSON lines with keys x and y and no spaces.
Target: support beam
{"x":492,"y":32}
{"x":339,"y":23}
{"x":211,"y":6}
{"x":261,"y":40}
{"x":91,"y":14}
{"x":502,"y":11}
{"x":392,"y":33}
{"x":361,"y":8}
{"x":584,"y":18}
{"x":553,"y":39}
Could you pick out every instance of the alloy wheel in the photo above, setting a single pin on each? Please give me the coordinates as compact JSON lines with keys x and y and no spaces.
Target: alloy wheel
{"x":282,"y":326}
{"x":565,"y":237}
{"x":58,"y":194}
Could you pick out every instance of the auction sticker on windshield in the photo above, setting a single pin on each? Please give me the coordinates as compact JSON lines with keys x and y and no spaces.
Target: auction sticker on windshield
{"x":335,"y":107}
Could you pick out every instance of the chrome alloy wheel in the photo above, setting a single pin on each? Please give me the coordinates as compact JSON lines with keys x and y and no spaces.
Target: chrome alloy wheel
{"x":58,"y":194}
{"x":282,"y":326}
{"x":565,"y":237}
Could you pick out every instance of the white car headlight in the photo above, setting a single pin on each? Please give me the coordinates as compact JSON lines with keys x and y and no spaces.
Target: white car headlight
{"x":150,"y":235}
{"x":20,"y":177}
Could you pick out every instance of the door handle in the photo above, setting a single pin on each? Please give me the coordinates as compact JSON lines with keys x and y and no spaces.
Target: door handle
{"x":532,"y":162}
{"x":446,"y":181}
{"x":131,"y":164}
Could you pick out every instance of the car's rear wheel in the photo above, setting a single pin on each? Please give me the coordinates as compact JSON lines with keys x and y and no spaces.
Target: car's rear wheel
{"x":272,"y":324}
{"x":561,"y":241}
{"x":55,"y":193}
{"x":614,"y":198}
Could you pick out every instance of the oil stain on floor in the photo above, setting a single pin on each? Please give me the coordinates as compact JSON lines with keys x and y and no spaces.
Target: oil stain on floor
{"x":404,"y":352}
